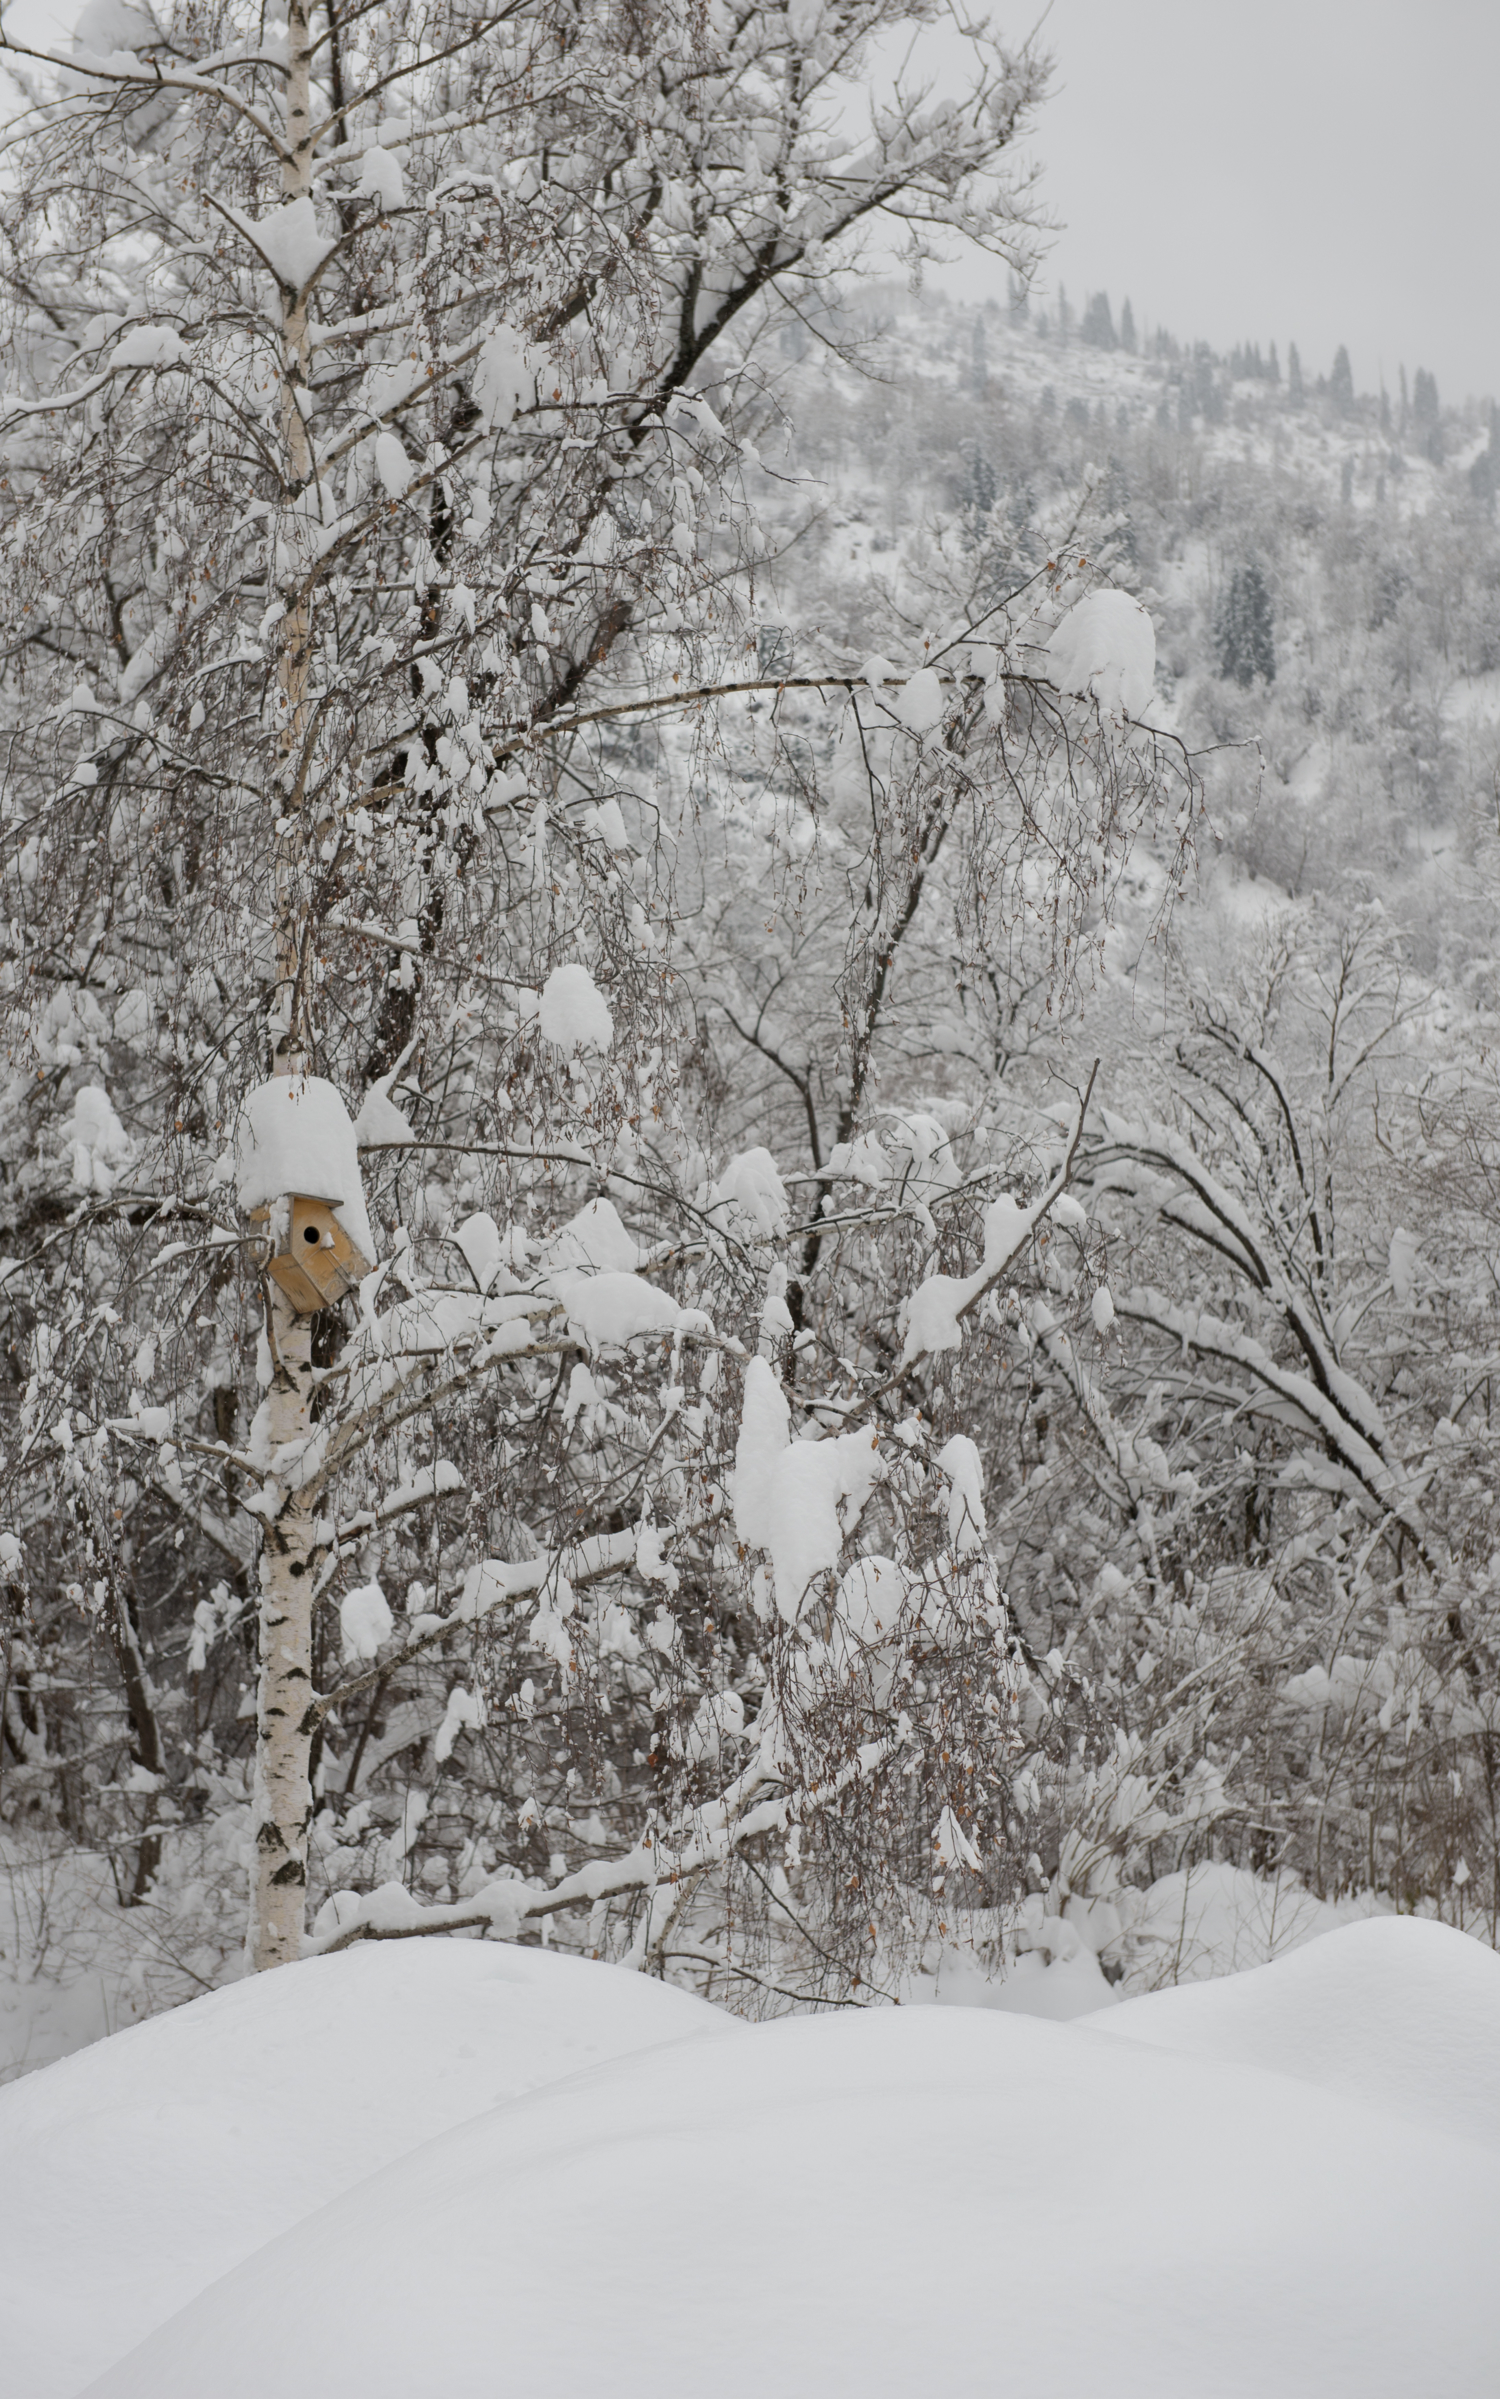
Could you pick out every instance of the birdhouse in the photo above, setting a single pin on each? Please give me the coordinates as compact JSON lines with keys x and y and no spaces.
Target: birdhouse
{"x":318,"y":1262}
{"x":297,"y":1163}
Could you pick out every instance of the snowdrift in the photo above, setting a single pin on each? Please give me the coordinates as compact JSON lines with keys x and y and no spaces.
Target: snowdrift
{"x":1398,"y":2012}
{"x":136,"y":2172}
{"x":480,"y":2169}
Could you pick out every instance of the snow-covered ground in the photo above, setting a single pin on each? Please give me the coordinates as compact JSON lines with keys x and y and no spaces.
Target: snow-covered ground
{"x":74,"y":1967}
{"x":136,"y":2172}
{"x":447,"y":2166}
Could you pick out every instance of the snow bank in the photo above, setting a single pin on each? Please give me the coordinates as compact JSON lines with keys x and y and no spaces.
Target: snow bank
{"x":52,"y":2004}
{"x":1220,"y":1919}
{"x":294,"y":1135}
{"x":140,"y":2170}
{"x":1034,"y":1984}
{"x":1105,"y":649}
{"x":1395,"y":2011}
{"x":875,"y":2204}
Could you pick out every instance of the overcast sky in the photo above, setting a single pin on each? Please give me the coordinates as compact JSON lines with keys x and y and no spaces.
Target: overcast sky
{"x":1317,"y":171}
{"x":1320,"y":171}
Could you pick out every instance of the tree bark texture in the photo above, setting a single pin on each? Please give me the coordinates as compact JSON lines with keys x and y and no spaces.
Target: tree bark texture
{"x":284,"y":1716}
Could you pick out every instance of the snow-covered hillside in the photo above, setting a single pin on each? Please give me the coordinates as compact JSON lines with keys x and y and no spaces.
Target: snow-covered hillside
{"x":946,"y":451}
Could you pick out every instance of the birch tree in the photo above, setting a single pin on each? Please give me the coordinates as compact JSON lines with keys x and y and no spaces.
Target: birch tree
{"x":376,"y":463}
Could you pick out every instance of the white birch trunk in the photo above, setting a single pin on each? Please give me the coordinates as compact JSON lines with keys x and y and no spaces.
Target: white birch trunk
{"x":282,"y":1805}
{"x":294,"y":632}
{"x":284,"y":1727}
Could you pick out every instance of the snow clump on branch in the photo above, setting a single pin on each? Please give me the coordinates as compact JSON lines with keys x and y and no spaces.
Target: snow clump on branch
{"x":796,"y":1499}
{"x":294,"y":1135}
{"x":365,"y":1620}
{"x":574,"y":1014}
{"x":1105,"y":650}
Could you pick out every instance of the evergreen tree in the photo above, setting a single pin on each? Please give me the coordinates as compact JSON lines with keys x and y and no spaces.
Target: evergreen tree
{"x":1484,"y":474}
{"x":1208,"y":396}
{"x":1273,"y":369}
{"x":1293,"y":376}
{"x":1114,"y":499}
{"x":1098,"y":326}
{"x":1127,"y":329}
{"x":1426,"y":415}
{"x":979,"y":485}
{"x":1341,"y":383}
{"x":1243,"y":628}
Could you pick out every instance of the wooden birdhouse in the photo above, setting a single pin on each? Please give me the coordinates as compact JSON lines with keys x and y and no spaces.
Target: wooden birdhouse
{"x":319,"y":1262}
{"x":298,"y":1172}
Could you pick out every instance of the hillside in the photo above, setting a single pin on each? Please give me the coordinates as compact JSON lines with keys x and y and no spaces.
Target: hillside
{"x":974,"y":442}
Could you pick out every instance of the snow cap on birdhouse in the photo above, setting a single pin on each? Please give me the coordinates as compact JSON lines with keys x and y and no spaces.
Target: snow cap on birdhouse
{"x":297,"y":1171}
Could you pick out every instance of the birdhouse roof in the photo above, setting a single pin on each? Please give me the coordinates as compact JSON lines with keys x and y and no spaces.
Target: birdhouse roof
{"x":294,"y":1138}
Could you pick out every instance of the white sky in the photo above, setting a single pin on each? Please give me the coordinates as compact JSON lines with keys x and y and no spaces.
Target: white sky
{"x":1319,"y":171}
